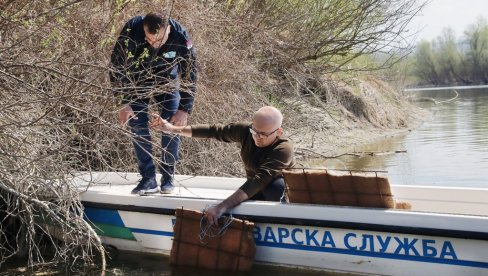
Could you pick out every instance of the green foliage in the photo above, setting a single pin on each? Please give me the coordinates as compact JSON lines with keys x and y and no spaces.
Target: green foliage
{"x":448,"y":60}
{"x":425,"y":65}
{"x":477,"y":53}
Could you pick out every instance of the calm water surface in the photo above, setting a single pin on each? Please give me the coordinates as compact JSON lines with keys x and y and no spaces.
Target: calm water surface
{"x":449,"y":149}
{"x":146,"y":264}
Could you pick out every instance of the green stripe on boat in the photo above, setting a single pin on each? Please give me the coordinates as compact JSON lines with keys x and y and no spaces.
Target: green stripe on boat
{"x":112,"y":231}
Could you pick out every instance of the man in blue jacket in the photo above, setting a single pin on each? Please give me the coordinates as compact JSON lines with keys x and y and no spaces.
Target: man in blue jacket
{"x":150,"y":54}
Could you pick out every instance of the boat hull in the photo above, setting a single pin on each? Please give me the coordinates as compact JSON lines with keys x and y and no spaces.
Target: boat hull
{"x":302,"y":244}
{"x":347,"y":239}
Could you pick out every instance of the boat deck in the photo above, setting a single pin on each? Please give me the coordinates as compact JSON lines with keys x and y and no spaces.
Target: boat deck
{"x":185,"y":186}
{"x":449,"y":200}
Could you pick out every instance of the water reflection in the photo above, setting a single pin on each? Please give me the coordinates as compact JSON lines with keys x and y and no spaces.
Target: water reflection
{"x":450,"y":149}
{"x":125,"y":263}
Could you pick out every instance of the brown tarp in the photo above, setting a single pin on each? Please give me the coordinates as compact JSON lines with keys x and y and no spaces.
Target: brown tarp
{"x":346,"y":189}
{"x":233,"y":250}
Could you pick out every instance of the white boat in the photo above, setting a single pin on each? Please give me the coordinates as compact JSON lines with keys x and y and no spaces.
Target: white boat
{"x":445,"y":233}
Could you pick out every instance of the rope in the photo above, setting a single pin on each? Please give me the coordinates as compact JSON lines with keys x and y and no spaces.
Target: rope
{"x":446,"y":101}
{"x":211,"y":231}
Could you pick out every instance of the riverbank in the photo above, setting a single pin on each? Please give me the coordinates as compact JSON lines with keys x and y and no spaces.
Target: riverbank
{"x":339,"y":127}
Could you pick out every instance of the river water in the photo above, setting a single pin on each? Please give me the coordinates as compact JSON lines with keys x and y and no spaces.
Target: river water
{"x":449,"y":149}
{"x":127,"y":263}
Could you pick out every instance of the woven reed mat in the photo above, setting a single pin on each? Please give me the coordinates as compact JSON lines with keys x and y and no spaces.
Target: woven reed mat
{"x":345,"y":189}
{"x":232,"y":248}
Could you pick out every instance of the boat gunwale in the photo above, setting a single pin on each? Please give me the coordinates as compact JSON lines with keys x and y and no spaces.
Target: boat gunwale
{"x":386,"y":228}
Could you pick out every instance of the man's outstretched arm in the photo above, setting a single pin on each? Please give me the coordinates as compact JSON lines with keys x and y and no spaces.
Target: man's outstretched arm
{"x":212,"y":214}
{"x":225,"y":133}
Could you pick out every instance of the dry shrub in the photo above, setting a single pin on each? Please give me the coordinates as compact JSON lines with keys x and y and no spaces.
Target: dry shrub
{"x":57,"y":113}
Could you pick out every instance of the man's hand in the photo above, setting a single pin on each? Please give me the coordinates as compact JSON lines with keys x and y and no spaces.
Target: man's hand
{"x":159,"y":124}
{"x":180,"y":118}
{"x":125,"y":114}
{"x":213,"y":214}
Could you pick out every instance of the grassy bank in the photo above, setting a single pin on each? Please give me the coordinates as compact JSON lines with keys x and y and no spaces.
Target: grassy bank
{"x":356,"y":113}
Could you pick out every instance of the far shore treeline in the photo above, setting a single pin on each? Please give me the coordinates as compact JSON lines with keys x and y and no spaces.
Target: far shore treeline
{"x":453,"y":59}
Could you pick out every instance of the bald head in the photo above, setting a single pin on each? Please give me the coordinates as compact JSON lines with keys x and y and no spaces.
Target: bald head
{"x":269,"y":116}
{"x":266,"y":126}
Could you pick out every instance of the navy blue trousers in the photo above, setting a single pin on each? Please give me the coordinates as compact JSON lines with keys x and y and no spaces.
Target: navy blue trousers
{"x":272,"y":192}
{"x":168,"y":105}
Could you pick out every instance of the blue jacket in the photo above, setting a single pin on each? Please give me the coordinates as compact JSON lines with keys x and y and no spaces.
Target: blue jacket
{"x":137,"y":68}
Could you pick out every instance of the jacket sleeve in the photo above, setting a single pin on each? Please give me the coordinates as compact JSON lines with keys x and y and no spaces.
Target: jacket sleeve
{"x":225,"y":133}
{"x":120,"y":60}
{"x":281,"y":158}
{"x":189,"y":73}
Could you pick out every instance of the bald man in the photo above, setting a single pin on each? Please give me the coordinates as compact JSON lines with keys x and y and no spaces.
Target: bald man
{"x":263,"y":150}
